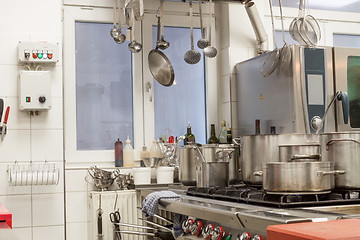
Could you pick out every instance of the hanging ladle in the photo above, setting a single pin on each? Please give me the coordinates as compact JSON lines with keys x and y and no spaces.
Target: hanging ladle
{"x":114,"y":32}
{"x":202,"y":42}
{"x":120,"y":36}
{"x":192,"y":56}
{"x":162,"y":44}
{"x":210,"y":51}
{"x":134,"y":46}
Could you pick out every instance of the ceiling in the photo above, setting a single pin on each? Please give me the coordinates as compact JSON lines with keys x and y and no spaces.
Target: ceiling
{"x":333,"y":5}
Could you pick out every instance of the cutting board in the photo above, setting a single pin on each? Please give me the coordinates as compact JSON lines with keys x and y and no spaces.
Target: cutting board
{"x":329,"y":230}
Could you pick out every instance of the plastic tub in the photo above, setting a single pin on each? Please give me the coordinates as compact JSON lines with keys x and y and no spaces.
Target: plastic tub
{"x":164,"y":175}
{"x":142,"y":175}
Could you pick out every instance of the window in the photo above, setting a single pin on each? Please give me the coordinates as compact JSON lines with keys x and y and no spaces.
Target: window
{"x":104,"y":106}
{"x":345,"y":40}
{"x":184,"y":101}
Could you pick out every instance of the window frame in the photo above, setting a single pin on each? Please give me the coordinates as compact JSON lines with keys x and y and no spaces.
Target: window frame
{"x":72,"y":155}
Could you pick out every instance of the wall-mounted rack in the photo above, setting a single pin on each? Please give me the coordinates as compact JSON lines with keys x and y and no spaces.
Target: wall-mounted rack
{"x":30,"y":174}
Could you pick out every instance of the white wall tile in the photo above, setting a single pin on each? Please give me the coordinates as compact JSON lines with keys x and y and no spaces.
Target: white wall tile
{"x":52,"y":119}
{"x":237,"y":54}
{"x":59,"y":188}
{"x":23,"y":233}
{"x":9,"y":43}
{"x":47,"y":20}
{"x":46,"y":233}
{"x":48,"y":209}
{"x":76,"y":207}
{"x":56,"y":81}
{"x":47,"y":145}
{"x":17,"y":120}
{"x":9,"y":79}
{"x":75,"y":180}
{"x":20,"y":207}
{"x":16,"y":146}
{"x":76,"y":231}
{"x":226,"y":114}
{"x":5,"y":189}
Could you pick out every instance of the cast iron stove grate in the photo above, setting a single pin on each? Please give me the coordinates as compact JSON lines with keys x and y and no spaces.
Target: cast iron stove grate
{"x":256,"y":196}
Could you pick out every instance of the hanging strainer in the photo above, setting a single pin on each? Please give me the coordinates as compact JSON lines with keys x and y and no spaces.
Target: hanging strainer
{"x":273,"y":58}
{"x":285,"y":52}
{"x":310,"y":28}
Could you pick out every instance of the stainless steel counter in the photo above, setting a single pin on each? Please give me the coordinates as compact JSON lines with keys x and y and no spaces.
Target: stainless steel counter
{"x":246,"y":217}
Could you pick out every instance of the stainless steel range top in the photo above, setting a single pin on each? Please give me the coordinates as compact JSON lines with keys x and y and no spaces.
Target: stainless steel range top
{"x":243,"y":217}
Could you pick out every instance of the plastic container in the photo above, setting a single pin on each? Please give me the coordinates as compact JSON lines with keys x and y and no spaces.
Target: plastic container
{"x":142,"y":176}
{"x":128,"y":154}
{"x":165,"y":175}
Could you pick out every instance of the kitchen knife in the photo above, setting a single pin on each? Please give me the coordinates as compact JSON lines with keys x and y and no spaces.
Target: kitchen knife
{"x":5,"y":123}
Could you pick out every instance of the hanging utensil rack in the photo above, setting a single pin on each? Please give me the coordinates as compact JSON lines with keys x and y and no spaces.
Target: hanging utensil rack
{"x":31,"y":174}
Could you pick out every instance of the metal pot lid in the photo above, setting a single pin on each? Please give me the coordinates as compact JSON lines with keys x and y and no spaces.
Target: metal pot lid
{"x":161,"y":68}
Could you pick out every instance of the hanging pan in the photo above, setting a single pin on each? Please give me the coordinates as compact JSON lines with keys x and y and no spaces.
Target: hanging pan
{"x":159,"y":65}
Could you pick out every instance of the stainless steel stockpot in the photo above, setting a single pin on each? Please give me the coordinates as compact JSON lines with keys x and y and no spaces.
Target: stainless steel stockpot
{"x":299,"y":152}
{"x":187,"y":168}
{"x":343,"y":150}
{"x":257,"y":150}
{"x":212,"y":174}
{"x":298,"y":176}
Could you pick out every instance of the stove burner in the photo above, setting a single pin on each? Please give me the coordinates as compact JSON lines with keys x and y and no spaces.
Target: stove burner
{"x":255,"y":195}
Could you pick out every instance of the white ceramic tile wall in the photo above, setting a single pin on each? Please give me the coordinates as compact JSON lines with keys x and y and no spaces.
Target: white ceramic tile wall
{"x":23,"y":233}
{"x":76,"y":231}
{"x":46,"y":233}
{"x":76,"y":207}
{"x":38,"y":139}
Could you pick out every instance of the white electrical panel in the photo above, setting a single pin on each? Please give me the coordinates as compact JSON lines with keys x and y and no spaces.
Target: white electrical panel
{"x":38,"y":52}
{"x":34,"y":90}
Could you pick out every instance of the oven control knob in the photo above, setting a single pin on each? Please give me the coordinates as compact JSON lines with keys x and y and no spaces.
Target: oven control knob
{"x":186,"y":225}
{"x":217,"y":234}
{"x":245,"y":236}
{"x":195,"y":228}
{"x":206,"y":232}
{"x":257,"y":237}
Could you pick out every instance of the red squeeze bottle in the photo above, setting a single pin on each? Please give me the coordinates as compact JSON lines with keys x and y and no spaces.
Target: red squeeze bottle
{"x":171,"y":139}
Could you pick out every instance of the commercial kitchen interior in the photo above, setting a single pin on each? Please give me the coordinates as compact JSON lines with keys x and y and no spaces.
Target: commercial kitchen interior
{"x":60,"y":211}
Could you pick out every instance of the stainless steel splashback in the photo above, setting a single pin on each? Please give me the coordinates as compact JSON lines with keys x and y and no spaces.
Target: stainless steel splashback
{"x":288,"y":100}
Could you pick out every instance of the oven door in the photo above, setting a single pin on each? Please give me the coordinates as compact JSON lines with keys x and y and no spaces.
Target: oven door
{"x":347,"y":79}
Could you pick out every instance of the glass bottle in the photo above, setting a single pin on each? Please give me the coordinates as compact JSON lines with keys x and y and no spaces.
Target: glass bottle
{"x":128,"y":154}
{"x":223,"y":133}
{"x":118,"y":153}
{"x":257,"y":127}
{"x":213,"y":139}
{"x":229,"y":136}
{"x":145,"y":155}
{"x":189,"y":137}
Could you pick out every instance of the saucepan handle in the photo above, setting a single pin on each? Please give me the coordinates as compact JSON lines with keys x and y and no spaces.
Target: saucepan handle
{"x":258,"y":173}
{"x":336,"y":172}
{"x":305,"y":156}
{"x":237,"y":141}
{"x":332,"y":141}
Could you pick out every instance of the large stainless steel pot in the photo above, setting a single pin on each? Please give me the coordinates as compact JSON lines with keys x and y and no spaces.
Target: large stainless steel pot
{"x":257,"y":150}
{"x":298,"y":176}
{"x":299,"y":152}
{"x":187,"y":171}
{"x":212,"y":174}
{"x":343,"y":149}
{"x":234,"y":161}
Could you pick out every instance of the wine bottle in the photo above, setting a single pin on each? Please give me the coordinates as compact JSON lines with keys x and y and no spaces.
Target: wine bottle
{"x":213,"y":139}
{"x":257,"y":127}
{"x":229,"y":136}
{"x":189,"y":137}
{"x":223,"y":133}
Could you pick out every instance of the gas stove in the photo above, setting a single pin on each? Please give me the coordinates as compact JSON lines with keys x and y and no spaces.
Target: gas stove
{"x":258,"y":196}
{"x":240,"y":211}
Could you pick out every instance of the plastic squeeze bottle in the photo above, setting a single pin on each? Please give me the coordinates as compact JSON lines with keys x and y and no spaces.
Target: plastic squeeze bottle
{"x":128,"y":154}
